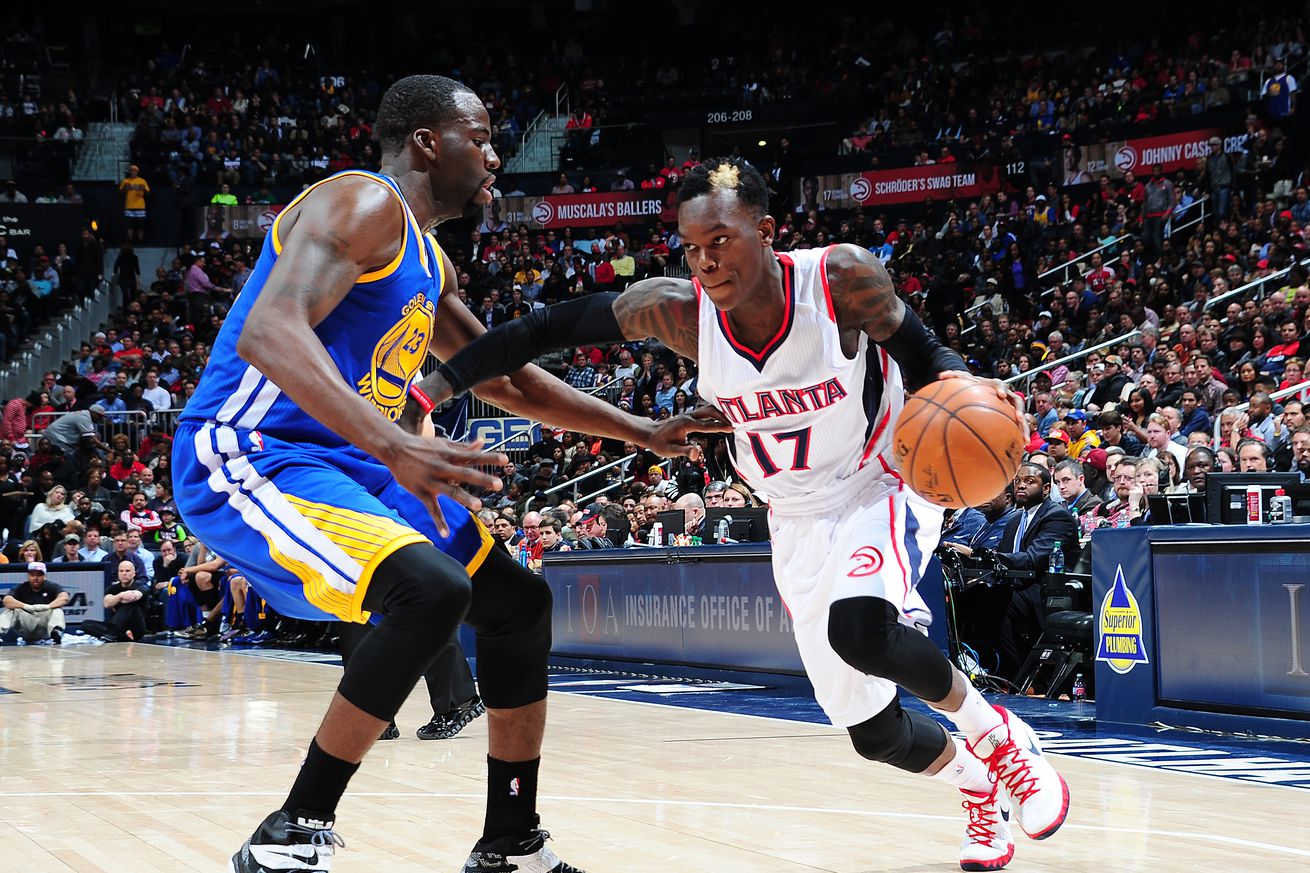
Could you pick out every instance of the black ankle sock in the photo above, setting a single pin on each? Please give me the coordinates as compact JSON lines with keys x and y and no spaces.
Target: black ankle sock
{"x":320,"y":784}
{"x":511,"y":798}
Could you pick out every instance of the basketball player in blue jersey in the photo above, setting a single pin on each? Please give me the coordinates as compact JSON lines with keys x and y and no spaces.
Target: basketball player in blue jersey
{"x":809,"y":355}
{"x":288,"y":461}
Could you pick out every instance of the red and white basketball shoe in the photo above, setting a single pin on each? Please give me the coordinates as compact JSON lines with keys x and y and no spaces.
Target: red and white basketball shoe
{"x":988,"y":844}
{"x":1014,"y":758}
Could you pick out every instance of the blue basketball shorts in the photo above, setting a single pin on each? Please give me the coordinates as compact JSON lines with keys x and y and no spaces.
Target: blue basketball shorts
{"x":308,"y":525}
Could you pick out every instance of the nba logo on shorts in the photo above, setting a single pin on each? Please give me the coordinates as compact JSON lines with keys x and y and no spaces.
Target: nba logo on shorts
{"x":514,"y":787}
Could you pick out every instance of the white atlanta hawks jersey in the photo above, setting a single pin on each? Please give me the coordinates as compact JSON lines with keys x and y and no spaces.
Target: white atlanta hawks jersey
{"x":805,"y":417}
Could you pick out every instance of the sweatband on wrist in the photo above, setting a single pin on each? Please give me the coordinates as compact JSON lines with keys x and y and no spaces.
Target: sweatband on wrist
{"x":587,"y":320}
{"x":919,"y":354}
{"x":420,"y":397}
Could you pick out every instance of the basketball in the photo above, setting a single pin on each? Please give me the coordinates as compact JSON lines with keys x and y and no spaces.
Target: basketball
{"x":957,"y":443}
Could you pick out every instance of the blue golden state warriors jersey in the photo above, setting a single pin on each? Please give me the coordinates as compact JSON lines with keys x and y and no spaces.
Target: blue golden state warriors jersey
{"x":378,"y":337}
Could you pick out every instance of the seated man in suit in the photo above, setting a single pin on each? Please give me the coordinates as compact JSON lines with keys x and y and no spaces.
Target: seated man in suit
{"x":1029,"y":540}
{"x":1013,"y":615}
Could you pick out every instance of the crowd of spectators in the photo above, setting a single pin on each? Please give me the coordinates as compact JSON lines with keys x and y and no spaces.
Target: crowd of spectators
{"x":85,"y":456}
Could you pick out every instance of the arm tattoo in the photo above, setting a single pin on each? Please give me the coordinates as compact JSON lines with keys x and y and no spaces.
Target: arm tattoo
{"x":863,"y":293}
{"x":663,"y":308}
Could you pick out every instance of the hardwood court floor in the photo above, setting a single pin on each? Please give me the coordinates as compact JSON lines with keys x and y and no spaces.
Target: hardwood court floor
{"x":132,"y":757}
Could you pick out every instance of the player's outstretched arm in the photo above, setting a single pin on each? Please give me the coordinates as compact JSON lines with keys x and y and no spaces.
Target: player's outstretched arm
{"x":342,"y":230}
{"x":498,"y":361}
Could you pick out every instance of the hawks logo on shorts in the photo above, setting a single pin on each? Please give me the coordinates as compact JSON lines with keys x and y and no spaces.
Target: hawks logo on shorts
{"x":865,"y":561}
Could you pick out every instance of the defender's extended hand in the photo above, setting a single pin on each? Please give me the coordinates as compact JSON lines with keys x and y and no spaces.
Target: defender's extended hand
{"x":669,"y":438}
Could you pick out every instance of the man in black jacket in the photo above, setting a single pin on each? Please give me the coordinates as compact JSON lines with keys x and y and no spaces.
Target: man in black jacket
{"x":1111,"y":384}
{"x":1027,"y":544}
{"x":1007,"y":617}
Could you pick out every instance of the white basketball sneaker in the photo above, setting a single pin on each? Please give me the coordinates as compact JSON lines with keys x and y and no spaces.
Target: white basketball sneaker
{"x":988,"y":844}
{"x":1014,"y":758}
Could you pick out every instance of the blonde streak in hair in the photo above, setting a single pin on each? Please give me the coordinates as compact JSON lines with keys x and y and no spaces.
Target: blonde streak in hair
{"x":725,"y":176}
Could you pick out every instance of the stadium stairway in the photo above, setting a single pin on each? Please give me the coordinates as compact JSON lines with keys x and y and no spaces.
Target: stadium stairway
{"x":105,"y":153}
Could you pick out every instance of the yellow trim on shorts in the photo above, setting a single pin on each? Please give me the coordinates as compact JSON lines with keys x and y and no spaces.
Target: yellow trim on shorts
{"x":404,"y":239}
{"x":366,"y":538}
{"x":488,"y":542}
{"x":361,"y":587}
{"x":318,"y":592}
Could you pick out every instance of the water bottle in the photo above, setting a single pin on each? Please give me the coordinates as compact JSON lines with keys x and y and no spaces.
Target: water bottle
{"x":657,"y":534}
{"x":1057,"y":559}
{"x":1079,"y":689}
{"x":721,"y":531}
{"x":524,"y":553}
{"x":1280,"y":508}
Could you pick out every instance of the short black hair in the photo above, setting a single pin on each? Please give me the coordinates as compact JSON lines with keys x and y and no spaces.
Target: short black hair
{"x":735,"y":174}
{"x":414,"y":102}
{"x":1042,"y":473}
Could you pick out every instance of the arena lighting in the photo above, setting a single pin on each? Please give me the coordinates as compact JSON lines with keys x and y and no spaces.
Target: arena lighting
{"x":95,"y":225}
{"x":762,"y":143}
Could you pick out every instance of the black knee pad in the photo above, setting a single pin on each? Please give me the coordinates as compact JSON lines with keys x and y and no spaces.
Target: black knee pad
{"x":511,"y":612}
{"x":422,"y":595}
{"x":867,"y":634}
{"x":905,"y":739}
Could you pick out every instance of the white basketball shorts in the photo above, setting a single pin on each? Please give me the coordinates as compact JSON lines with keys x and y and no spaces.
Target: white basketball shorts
{"x":875,"y":544}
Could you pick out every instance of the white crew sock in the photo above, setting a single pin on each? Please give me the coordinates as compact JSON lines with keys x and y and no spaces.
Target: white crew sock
{"x":965,"y":771}
{"x":975,"y":717}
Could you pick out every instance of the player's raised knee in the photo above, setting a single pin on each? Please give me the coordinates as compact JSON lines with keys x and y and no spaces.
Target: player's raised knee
{"x":863,"y":631}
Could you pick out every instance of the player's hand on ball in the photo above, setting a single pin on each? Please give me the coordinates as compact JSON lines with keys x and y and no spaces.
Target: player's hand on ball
{"x":430,"y":467}
{"x":1002,"y":391}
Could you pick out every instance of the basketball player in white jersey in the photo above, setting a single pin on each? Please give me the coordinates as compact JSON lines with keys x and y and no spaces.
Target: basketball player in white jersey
{"x":808,"y":356}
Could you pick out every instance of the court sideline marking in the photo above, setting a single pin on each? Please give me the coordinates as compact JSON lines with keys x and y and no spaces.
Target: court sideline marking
{"x":757,"y":807}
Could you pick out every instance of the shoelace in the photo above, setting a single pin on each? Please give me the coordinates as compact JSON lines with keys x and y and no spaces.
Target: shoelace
{"x":1018,"y":778}
{"x":982,"y":822}
{"x":319,"y":838}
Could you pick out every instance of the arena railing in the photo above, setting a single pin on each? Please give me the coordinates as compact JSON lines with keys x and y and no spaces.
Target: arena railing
{"x":584,"y":500}
{"x":1063,"y":269}
{"x":1202,"y":204}
{"x":561,"y":486}
{"x":132,"y":422}
{"x":1280,"y":394}
{"x":1241,"y":290}
{"x":1050,"y":365}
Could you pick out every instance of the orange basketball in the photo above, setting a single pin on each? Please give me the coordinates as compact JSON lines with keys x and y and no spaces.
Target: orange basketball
{"x":957,"y":444}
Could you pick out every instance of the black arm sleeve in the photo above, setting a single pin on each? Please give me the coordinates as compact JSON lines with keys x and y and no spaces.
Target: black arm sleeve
{"x":920,"y":355}
{"x":498,"y":352}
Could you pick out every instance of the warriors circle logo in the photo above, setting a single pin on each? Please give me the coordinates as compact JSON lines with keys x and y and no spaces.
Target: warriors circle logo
{"x":1125,"y":159}
{"x":543,"y":213}
{"x":865,"y":561}
{"x":397,"y":357}
{"x":860,"y":189}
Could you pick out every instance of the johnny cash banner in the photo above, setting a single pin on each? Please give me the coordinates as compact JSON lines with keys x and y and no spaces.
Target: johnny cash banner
{"x":557,"y":211}
{"x":1083,"y":164}
{"x":948,"y":181}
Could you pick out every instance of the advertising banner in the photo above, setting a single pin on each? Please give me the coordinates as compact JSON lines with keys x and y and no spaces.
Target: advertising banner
{"x":557,"y":211}
{"x":890,"y":187}
{"x":26,"y":225}
{"x":251,"y":221}
{"x":85,"y":584}
{"x":712,"y":611}
{"x":1176,"y":151}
